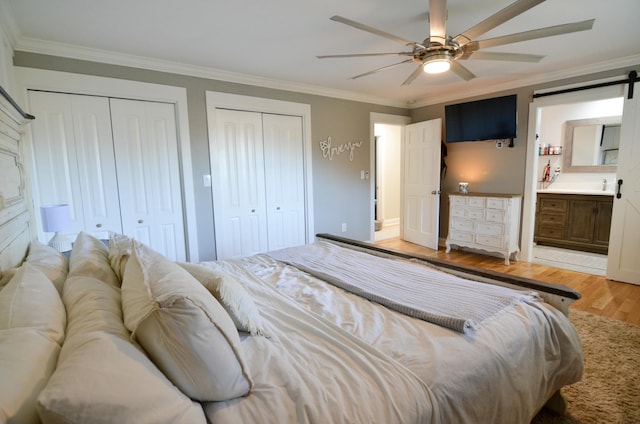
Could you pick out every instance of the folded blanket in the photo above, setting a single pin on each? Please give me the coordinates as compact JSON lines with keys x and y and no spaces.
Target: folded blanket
{"x":412,"y":289}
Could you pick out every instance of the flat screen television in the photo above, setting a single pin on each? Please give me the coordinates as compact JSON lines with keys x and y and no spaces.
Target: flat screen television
{"x":489,"y":119}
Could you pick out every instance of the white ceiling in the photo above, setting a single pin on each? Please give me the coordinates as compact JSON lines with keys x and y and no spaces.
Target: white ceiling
{"x":274,"y":43}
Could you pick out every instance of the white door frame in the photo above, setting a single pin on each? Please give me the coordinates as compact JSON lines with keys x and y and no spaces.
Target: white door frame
{"x":219,"y":100}
{"x":530,"y":186}
{"x":387,"y":119}
{"x":65,"y":82}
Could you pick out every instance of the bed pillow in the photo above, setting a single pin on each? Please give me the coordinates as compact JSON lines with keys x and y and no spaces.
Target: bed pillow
{"x":119,"y":251}
{"x":31,"y":301}
{"x":102,"y":376}
{"x":231,"y":295}
{"x":183,"y":328}
{"x":52,"y":263}
{"x":27,"y":360}
{"x":90,"y":257}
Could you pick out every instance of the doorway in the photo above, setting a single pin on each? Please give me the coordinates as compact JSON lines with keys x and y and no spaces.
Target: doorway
{"x":388,"y":143}
{"x":547,"y":121}
{"x":388,"y":130}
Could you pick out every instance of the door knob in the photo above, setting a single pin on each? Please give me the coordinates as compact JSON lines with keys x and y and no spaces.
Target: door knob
{"x":253,"y":210}
{"x":140,"y":221}
{"x":98,"y":225}
{"x":435,"y":192}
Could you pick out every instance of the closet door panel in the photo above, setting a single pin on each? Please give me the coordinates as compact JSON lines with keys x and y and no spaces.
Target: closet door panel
{"x":98,"y":182}
{"x":284,"y":180}
{"x":146,"y":150}
{"x":73,"y":160}
{"x":238,"y":184}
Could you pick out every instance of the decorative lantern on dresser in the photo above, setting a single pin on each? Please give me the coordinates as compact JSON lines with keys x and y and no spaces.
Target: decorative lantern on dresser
{"x":489,"y":222}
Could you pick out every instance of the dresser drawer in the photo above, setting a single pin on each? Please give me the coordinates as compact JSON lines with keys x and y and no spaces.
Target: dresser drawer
{"x":460,"y":236}
{"x":553,"y":219}
{"x":461,"y":224}
{"x":458,"y":201}
{"x":497,"y":203}
{"x":495,"y":215}
{"x":552,"y":233}
{"x":490,"y":229}
{"x":477,"y":202}
{"x":554,"y":205}
{"x":489,"y":240}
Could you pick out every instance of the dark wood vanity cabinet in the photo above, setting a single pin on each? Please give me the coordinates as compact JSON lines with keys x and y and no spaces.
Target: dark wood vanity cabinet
{"x":573,"y":221}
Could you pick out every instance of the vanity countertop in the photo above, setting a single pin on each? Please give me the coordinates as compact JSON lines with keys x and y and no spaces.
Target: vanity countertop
{"x":576,"y":191}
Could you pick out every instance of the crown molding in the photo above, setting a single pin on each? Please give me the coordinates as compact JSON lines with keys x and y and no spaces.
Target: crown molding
{"x":8,"y":24}
{"x":31,"y":45}
{"x":533,"y":80}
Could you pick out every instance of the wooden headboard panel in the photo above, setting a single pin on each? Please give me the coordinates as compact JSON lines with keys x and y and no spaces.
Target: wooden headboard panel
{"x":15,"y":233}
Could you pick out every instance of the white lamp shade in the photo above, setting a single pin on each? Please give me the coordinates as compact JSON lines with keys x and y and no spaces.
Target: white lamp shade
{"x":55,"y":218}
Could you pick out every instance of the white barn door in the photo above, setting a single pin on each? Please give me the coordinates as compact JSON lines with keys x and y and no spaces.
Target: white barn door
{"x":624,"y":241}
{"x":421,"y":183}
{"x":146,"y":152}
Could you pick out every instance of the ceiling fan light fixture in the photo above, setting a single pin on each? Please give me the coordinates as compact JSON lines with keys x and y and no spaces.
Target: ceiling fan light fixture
{"x":437,"y":63}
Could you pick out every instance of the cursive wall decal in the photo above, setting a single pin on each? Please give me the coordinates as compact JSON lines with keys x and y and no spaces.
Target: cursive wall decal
{"x":329,"y":152}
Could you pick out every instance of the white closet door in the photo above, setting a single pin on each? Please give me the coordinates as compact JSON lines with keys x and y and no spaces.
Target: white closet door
{"x":238,"y":184}
{"x":146,"y":151}
{"x":284,"y":180}
{"x":73,"y":160}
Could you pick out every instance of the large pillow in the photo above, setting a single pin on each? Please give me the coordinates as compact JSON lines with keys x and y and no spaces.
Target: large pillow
{"x":102,"y":376}
{"x":27,"y":359}
{"x":183,"y":328}
{"x":90,"y":257}
{"x":231,"y":294}
{"x":31,"y":301}
{"x":52,"y":263}
{"x":119,"y":251}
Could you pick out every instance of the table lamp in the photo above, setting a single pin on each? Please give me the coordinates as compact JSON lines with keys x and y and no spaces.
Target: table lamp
{"x":57,"y":218}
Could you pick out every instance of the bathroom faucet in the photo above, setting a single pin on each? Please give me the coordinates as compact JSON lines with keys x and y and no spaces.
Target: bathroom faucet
{"x":604,"y":184}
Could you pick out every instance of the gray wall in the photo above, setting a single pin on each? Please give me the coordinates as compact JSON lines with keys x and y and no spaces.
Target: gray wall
{"x":340,"y":196}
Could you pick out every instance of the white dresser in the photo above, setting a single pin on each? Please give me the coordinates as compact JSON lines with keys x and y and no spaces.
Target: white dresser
{"x":489,"y":222}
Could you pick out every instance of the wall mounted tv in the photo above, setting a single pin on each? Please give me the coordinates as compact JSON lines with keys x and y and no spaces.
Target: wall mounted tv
{"x":489,"y":119}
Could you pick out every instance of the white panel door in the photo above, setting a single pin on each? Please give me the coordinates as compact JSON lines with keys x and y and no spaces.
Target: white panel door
{"x":421,"y":164}
{"x":238,"y":184}
{"x":284,"y":180}
{"x":74,"y":161}
{"x":146,"y":151}
{"x":624,"y":241}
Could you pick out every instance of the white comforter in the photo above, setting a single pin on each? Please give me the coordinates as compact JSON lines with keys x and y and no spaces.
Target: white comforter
{"x":501,"y":373}
{"x":310,"y":371}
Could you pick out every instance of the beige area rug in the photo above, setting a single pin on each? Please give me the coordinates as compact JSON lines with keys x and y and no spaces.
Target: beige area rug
{"x":609,"y":391}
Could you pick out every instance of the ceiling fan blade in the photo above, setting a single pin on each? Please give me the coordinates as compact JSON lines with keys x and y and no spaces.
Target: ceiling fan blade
{"x":373,"y":30}
{"x":365,"y":55}
{"x":381,"y":69}
{"x":513,"y":57}
{"x":500,"y":17}
{"x":413,"y":75}
{"x":461,"y":71}
{"x":438,"y":21}
{"x":536,"y":33}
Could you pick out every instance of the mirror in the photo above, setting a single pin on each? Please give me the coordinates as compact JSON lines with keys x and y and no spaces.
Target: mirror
{"x":591,"y":145}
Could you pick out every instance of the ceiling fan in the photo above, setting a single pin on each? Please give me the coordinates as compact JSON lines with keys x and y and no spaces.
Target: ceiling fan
{"x":440,"y":52}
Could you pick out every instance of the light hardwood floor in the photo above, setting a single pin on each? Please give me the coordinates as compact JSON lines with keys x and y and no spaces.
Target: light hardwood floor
{"x":600,"y":296}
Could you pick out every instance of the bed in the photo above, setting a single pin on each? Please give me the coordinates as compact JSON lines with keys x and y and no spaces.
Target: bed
{"x":116,"y":333}
{"x":277,"y":343}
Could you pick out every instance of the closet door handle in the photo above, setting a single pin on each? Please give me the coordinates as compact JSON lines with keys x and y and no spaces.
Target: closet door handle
{"x":98,"y":225}
{"x":278,"y":208}
{"x":141,"y":221}
{"x":253,"y":210}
